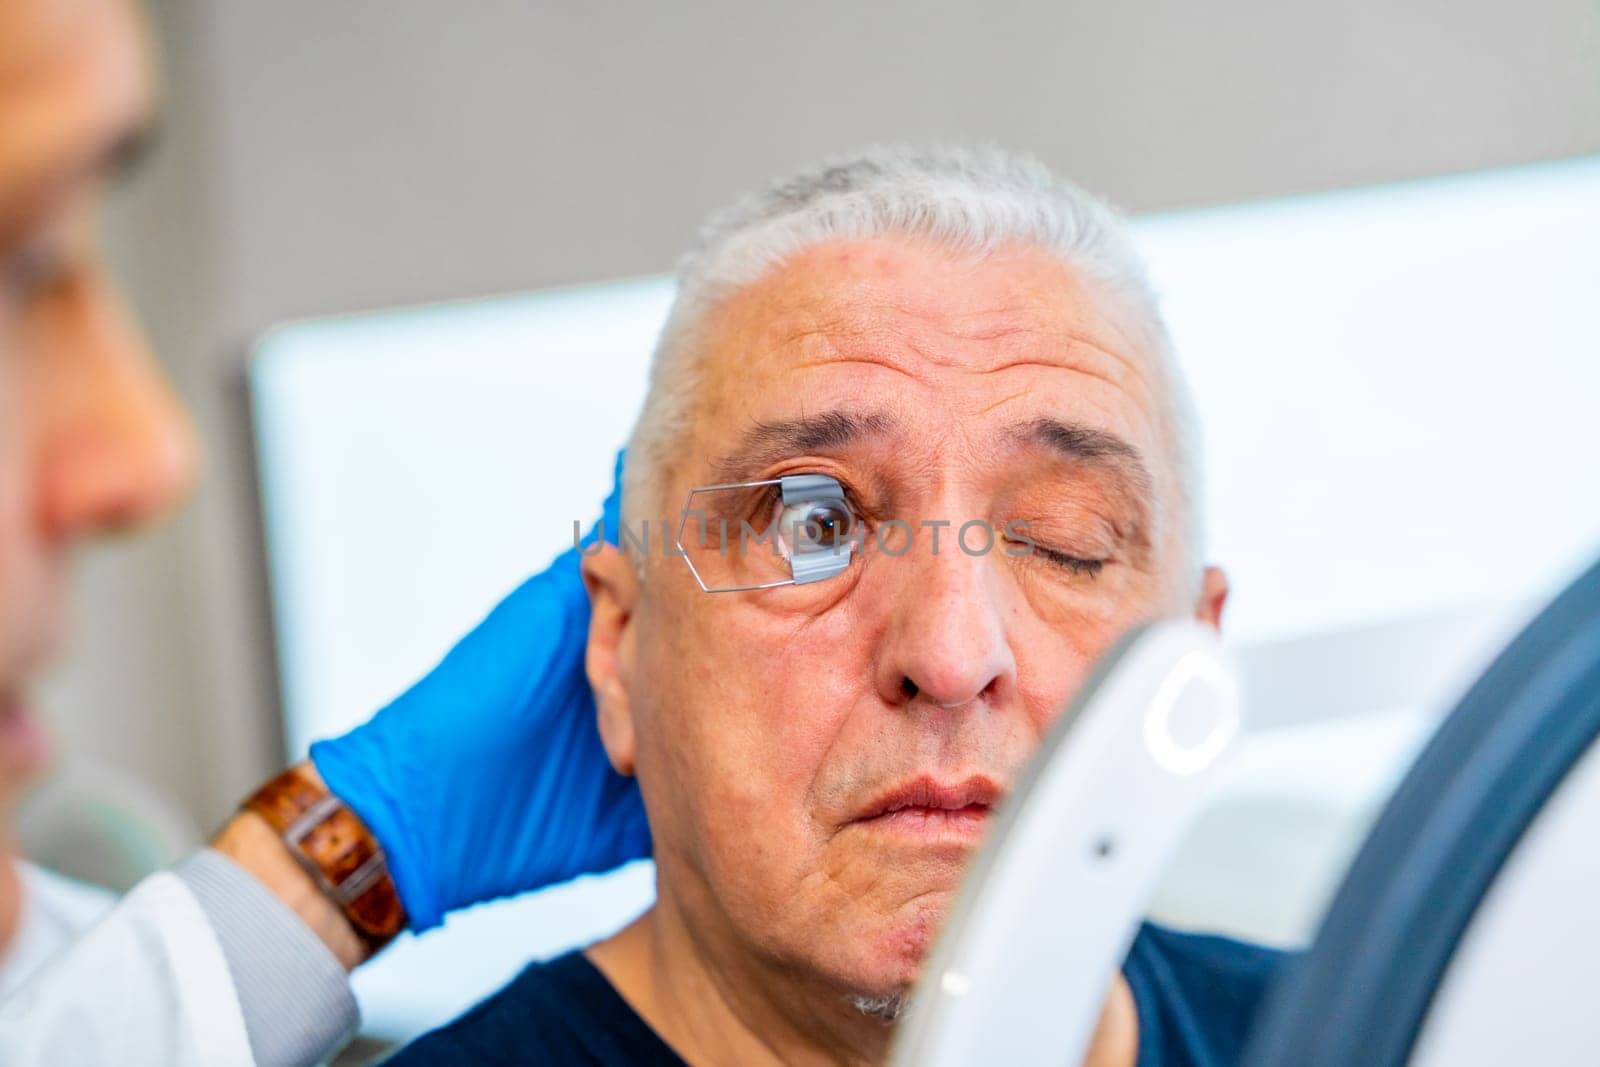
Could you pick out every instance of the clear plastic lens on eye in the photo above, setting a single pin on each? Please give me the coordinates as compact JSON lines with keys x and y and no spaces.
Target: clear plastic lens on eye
{"x":805,"y":538}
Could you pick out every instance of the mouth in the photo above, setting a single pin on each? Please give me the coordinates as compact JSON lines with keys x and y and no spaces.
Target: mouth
{"x":24,"y":748}
{"x":929,"y":808}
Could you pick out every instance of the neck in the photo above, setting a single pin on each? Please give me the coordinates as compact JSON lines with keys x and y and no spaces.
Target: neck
{"x":720,"y":1007}
{"x":716,"y":1005}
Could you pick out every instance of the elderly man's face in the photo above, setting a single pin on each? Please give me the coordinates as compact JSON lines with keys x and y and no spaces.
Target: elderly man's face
{"x":819,"y":760}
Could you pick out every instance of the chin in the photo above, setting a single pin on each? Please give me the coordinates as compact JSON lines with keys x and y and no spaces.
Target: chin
{"x":887,"y":957}
{"x":885,"y":983}
{"x":887,"y":1007}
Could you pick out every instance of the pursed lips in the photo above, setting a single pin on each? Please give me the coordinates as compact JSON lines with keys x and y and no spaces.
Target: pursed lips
{"x":926,"y":806}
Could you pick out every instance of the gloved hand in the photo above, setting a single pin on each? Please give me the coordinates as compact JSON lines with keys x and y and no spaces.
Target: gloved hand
{"x":487,"y":777}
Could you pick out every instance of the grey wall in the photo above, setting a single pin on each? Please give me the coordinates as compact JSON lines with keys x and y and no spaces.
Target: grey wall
{"x":323,"y":157}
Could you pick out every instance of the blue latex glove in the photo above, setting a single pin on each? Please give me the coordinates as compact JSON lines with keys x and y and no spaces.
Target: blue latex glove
{"x":487,"y":777}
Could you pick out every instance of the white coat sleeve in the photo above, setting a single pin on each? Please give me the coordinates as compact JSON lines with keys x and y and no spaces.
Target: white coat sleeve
{"x":148,"y":984}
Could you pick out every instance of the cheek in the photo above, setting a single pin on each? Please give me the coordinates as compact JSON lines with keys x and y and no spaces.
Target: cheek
{"x":15,"y":533}
{"x":742,"y":729}
{"x":1079,"y":615}
{"x":786,"y":686}
{"x":1055,"y":654}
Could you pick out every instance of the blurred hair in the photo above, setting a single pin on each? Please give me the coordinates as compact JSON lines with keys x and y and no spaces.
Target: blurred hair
{"x":967,"y":201}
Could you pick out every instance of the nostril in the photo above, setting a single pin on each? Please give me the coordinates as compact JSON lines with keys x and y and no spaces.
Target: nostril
{"x":908,"y":687}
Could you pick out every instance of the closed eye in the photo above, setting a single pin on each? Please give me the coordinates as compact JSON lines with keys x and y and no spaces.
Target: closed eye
{"x":1072,"y":564}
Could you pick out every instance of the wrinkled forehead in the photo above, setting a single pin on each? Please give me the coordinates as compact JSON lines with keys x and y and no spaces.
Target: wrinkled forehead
{"x":948,"y":363}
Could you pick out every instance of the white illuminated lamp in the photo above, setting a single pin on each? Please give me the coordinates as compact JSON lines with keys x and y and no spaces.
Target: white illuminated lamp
{"x":1205,"y":724}
{"x":1056,"y":894}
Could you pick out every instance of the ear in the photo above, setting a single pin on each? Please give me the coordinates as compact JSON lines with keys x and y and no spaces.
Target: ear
{"x":1213,"y":595}
{"x":613,"y":588}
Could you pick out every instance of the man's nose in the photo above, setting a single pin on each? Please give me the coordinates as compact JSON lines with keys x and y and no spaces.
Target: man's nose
{"x":115,"y":448}
{"x":946,"y":643}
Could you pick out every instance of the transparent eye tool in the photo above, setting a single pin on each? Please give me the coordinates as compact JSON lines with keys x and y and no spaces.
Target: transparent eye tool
{"x":758,"y":535}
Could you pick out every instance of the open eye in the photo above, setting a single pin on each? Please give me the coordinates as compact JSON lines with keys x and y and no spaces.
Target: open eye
{"x":815,"y":524}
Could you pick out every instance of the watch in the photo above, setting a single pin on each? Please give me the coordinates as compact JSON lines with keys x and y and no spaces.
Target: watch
{"x":336,"y":849}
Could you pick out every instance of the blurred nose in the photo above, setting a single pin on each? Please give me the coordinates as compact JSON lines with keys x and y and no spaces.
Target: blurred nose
{"x":946,"y":642}
{"x":115,"y":448}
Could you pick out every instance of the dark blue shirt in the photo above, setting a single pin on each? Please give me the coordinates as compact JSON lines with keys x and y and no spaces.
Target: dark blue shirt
{"x":1196,"y":996}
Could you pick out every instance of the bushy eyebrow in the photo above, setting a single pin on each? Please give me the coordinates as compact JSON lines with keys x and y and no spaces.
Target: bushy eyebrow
{"x":1095,"y":447}
{"x":1073,"y":440}
{"x":769,"y":441}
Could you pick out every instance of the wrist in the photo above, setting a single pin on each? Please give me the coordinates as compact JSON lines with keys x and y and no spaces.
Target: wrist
{"x":250,"y":842}
{"x":317,"y":856}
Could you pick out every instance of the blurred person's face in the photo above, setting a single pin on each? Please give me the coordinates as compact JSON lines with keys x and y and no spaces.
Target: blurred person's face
{"x":819,"y":761}
{"x":90,"y":438}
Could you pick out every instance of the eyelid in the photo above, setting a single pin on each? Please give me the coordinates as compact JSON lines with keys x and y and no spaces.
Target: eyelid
{"x":772,"y":495}
{"x":852,"y":499}
{"x":1068,"y":559}
{"x":851,"y":496}
{"x":1078,"y":565}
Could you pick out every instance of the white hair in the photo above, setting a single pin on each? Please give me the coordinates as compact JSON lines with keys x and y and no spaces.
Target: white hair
{"x":885,"y":1008}
{"x":969,"y":201}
